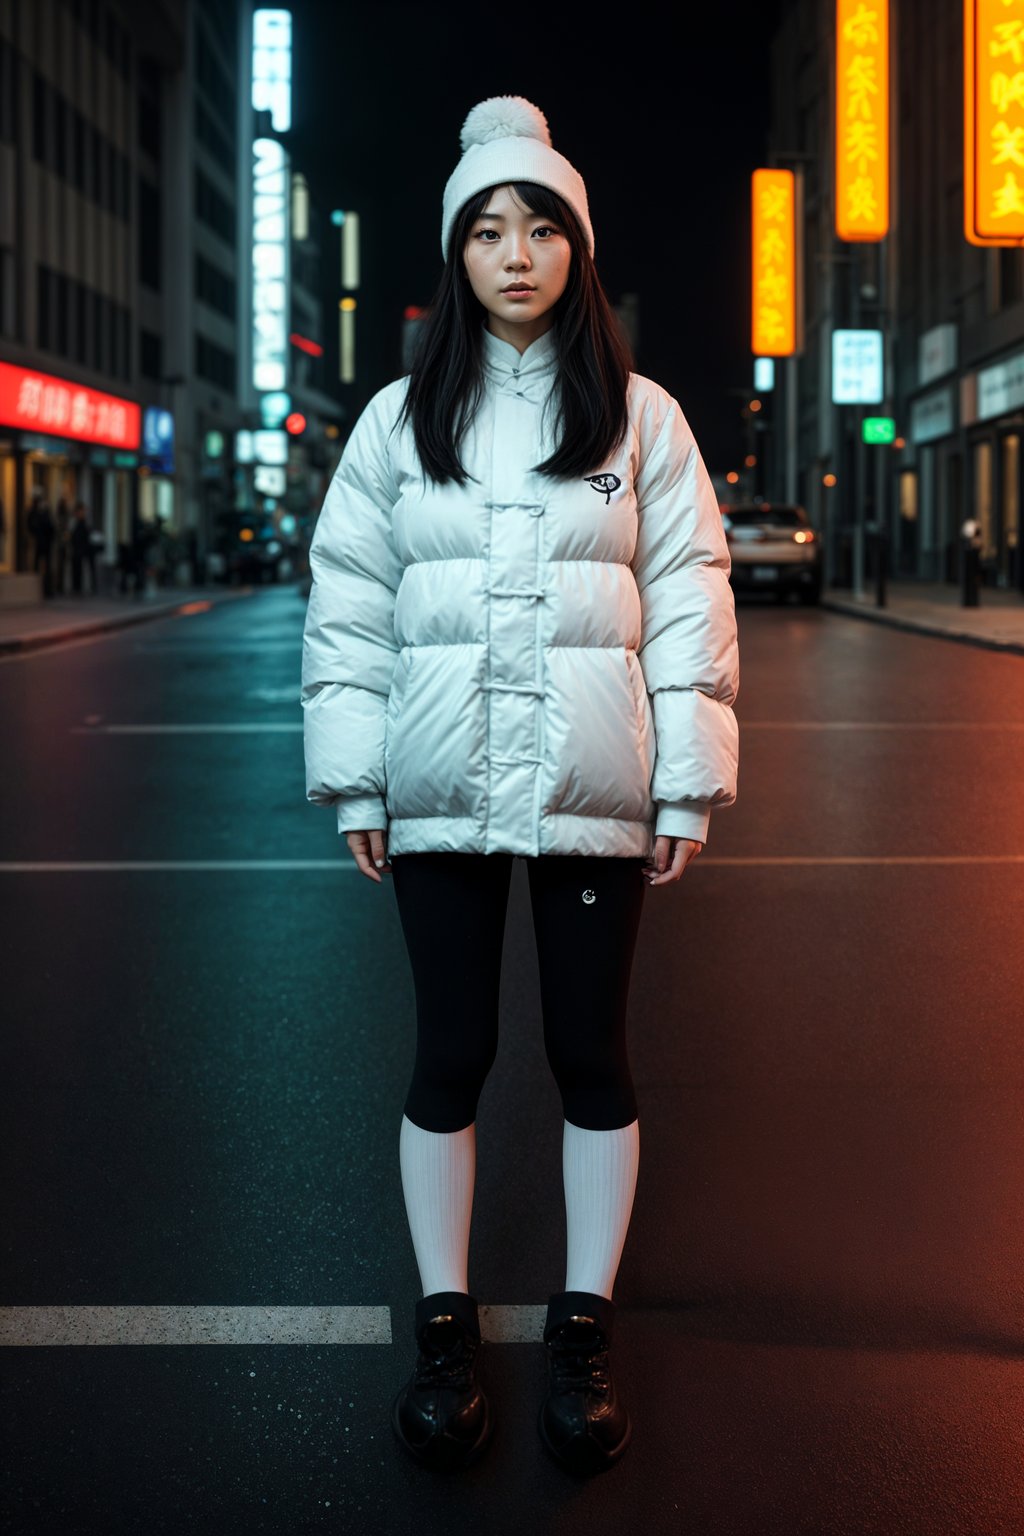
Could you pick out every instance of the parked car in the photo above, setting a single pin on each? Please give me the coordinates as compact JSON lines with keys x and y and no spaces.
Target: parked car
{"x":774,"y":549}
{"x":252,"y":550}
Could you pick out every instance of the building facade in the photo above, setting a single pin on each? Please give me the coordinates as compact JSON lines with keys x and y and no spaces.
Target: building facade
{"x":952,"y":314}
{"x":126,"y":285}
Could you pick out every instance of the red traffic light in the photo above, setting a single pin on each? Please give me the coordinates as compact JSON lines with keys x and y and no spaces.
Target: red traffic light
{"x":295,"y":423}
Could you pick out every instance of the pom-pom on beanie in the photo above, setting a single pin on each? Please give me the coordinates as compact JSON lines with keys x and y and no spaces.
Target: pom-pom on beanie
{"x":506,"y":138}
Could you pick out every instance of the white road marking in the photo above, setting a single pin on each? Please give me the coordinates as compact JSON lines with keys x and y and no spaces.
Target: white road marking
{"x":285,"y":695}
{"x":94,"y":866}
{"x":348,"y":865}
{"x":289,"y":695}
{"x":212,"y":728}
{"x":881,"y":725}
{"x":34,"y":1326}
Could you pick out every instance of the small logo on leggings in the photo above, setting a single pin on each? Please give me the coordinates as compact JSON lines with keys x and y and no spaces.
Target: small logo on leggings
{"x":589,"y":897}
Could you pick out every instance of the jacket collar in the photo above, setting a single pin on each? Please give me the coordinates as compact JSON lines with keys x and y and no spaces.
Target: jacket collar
{"x":537,"y":365}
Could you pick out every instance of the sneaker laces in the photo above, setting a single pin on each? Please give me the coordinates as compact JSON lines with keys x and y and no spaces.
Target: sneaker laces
{"x":578,"y":1366}
{"x":452,"y":1367}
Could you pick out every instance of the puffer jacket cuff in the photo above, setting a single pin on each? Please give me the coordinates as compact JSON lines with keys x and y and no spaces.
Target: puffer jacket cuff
{"x":362,"y":813}
{"x":683,"y":818}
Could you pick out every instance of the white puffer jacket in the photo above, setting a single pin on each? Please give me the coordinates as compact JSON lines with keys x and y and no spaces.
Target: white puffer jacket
{"x":521,"y":665}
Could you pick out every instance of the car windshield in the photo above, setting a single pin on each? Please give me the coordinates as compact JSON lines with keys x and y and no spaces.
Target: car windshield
{"x":766,"y":516}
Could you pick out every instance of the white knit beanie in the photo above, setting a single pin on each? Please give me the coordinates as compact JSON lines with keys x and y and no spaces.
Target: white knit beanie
{"x":506,"y":138}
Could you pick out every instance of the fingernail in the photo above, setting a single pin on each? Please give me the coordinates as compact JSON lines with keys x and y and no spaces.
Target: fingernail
{"x":379,"y":863}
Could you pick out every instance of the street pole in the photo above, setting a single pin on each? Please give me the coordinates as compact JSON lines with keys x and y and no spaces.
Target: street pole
{"x":792,"y":409}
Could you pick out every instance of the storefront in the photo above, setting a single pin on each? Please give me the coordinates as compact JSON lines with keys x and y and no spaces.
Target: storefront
{"x":929,"y":513}
{"x":62,"y":443}
{"x":992,"y":413}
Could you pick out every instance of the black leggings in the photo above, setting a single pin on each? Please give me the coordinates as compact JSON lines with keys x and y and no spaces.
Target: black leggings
{"x":586,"y":916}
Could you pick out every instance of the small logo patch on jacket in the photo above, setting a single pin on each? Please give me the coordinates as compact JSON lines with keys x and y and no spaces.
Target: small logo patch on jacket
{"x":606,"y":483}
{"x":589,"y":897}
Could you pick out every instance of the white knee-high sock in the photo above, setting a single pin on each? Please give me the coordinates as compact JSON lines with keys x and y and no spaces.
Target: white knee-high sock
{"x":599,"y":1171}
{"x":438,"y":1175}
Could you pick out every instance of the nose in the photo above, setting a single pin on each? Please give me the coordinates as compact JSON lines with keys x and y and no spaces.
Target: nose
{"x":517,"y":250}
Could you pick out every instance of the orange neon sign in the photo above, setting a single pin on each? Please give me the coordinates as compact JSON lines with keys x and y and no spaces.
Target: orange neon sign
{"x":862,"y":119}
{"x":994,"y":122}
{"x":773,"y":263}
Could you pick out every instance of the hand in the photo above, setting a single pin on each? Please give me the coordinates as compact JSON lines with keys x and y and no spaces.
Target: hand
{"x":669,"y":861}
{"x":366,"y":849}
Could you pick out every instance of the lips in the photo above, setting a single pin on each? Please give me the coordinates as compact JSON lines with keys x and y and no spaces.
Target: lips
{"x":519,"y":288}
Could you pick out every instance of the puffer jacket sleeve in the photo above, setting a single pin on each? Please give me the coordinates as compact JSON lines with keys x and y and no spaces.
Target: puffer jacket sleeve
{"x":349,"y":650}
{"x":688,"y":652}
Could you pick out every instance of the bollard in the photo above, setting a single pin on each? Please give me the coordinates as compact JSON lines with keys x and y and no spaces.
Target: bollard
{"x":881,"y":566}
{"x":971,"y":572}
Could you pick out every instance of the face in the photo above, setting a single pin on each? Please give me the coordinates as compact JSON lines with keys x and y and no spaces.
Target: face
{"x":509,"y":244}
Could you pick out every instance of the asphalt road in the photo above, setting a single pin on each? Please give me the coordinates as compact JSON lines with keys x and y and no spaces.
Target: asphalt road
{"x":207,"y":1043}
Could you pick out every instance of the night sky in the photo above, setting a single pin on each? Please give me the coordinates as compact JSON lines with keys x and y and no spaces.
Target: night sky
{"x":665,"y":134}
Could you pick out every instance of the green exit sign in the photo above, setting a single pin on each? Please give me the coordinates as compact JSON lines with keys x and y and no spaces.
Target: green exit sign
{"x":879,"y":429}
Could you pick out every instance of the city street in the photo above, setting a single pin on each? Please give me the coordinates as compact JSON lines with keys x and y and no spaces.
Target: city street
{"x":208,"y":1281}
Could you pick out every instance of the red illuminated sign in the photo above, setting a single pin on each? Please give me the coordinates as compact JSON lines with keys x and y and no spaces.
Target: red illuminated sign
{"x":39,"y":402}
{"x":313,"y":348}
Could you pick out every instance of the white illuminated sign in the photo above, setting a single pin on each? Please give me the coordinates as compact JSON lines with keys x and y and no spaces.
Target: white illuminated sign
{"x":272,"y":66}
{"x":764,"y":375}
{"x":857,"y":368}
{"x":270,"y":265}
{"x":270,"y":447}
{"x":268,"y":481}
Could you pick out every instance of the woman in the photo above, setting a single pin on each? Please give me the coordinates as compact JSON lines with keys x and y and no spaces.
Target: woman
{"x":520,"y":643}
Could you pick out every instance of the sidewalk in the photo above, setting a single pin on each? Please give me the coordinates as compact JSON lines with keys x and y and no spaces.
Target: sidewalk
{"x":934,"y":608}
{"x":31,"y":626}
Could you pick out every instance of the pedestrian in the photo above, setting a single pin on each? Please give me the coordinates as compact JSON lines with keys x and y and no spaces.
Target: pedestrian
{"x":61,"y":543}
{"x":520,"y":643}
{"x":143,"y":536}
{"x":43,"y":530}
{"x":83,"y":550}
{"x":192,"y":555}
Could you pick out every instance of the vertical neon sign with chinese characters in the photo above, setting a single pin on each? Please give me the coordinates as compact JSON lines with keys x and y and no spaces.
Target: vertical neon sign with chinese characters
{"x":773,"y":263}
{"x":994,"y":122}
{"x":271,"y":201}
{"x":862,"y":119}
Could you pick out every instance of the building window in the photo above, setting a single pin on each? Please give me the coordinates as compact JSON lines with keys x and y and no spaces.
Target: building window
{"x":214,"y":364}
{"x":39,"y":94}
{"x":9,"y":77}
{"x":78,"y":150}
{"x":151,"y":349}
{"x":81,"y":304}
{"x":214,"y":287}
{"x":8,"y":307}
{"x":212,"y":209}
{"x":43,"y":307}
{"x":62,"y":313}
{"x":1010,"y":259}
{"x":149,"y":235}
{"x":150,"y":137}
{"x":60,"y":121}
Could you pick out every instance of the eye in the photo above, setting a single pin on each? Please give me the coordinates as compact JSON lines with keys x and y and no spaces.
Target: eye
{"x":541,"y":227}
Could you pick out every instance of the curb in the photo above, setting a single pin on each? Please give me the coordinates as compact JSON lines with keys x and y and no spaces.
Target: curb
{"x":920,"y":626}
{"x":12,"y":644}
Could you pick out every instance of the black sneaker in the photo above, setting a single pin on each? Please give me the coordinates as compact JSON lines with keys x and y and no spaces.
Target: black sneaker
{"x":582,"y":1422}
{"x":441,"y":1415}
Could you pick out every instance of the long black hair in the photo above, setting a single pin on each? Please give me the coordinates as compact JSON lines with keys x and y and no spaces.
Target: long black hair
{"x":594,"y":355}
